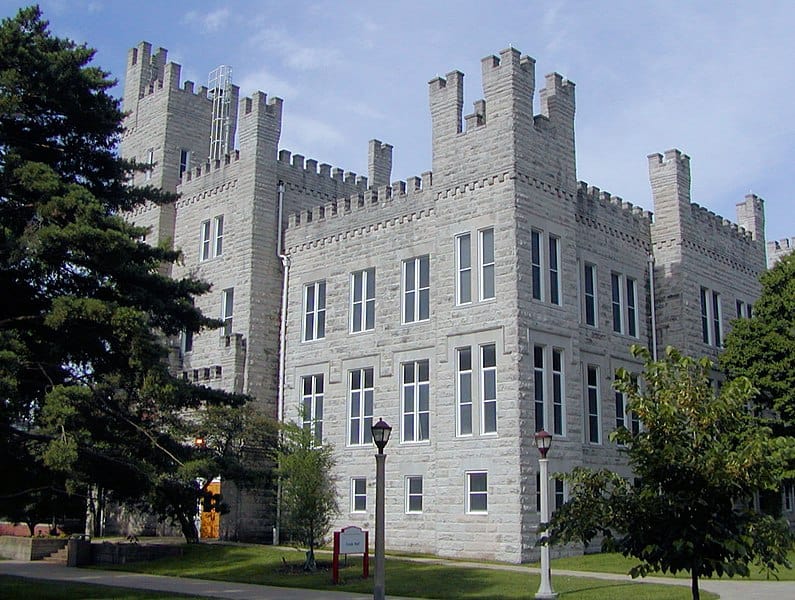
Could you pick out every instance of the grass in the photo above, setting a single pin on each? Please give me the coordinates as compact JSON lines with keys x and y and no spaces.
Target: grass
{"x":267,"y":565}
{"x":42,"y":589}
{"x":616,"y":563}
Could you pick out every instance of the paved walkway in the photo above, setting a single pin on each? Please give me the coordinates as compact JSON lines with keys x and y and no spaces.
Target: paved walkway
{"x":727,"y":589}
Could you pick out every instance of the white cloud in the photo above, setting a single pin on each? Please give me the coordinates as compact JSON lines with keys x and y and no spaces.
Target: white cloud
{"x":295,"y":53}
{"x":308,"y":132}
{"x":210,"y":22}
{"x":267,"y":82}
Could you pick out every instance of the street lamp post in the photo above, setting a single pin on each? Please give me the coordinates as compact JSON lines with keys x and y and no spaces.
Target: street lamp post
{"x":381,"y":433}
{"x":543,"y":441}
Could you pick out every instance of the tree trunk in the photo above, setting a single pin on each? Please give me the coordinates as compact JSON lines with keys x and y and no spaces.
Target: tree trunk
{"x":31,"y":526}
{"x":694,"y":584}
{"x":188,"y":526}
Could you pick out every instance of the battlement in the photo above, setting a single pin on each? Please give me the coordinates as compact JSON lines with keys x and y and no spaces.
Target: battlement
{"x":147,"y":73}
{"x":502,"y":125}
{"x":590,"y":196}
{"x":783,"y":246}
{"x":721,"y":225}
{"x":200,"y":171}
{"x":302,"y":166}
{"x":373,"y":201}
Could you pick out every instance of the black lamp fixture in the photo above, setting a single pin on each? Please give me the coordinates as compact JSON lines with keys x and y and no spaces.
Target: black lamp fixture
{"x":542,"y":440}
{"x":381,"y":432}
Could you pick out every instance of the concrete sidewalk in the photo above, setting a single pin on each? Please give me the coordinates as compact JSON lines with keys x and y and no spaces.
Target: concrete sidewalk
{"x":178,"y":585}
{"x":727,"y":589}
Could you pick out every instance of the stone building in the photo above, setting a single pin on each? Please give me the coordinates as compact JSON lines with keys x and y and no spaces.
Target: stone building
{"x":469,"y":307}
{"x":776,"y":250}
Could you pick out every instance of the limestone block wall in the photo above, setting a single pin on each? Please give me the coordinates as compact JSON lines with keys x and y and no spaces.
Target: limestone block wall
{"x":384,"y":231}
{"x":695,"y":249}
{"x":777,"y":249}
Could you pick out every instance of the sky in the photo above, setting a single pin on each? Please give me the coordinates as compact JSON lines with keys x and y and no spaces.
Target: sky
{"x":714,"y":79}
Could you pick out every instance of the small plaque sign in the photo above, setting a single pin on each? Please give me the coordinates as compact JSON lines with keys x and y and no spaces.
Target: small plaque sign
{"x":352,"y":540}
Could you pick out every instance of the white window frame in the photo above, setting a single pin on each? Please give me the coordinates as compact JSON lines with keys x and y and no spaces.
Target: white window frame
{"x":550,"y":400}
{"x":488,"y":391}
{"x":553,"y":270}
{"x":624,"y":304}
{"x":413,"y":494}
{"x":358,"y":397}
{"x":312,"y":393}
{"x":486,"y":264}
{"x":537,"y":286}
{"x":227,"y":310}
{"x":627,"y":419}
{"x":590,"y":299}
{"x":205,"y":243}
{"x":184,"y":160}
{"x":711,"y":317}
{"x":218,"y":235}
{"x":470,"y":493}
{"x":463,"y":269}
{"x":416,"y":291}
{"x":417,"y":388}
{"x":546,"y":282}
{"x":358,"y":494}
{"x":464,"y":384}
{"x":313,"y":326}
{"x":363,"y":287}
{"x":593,"y":404}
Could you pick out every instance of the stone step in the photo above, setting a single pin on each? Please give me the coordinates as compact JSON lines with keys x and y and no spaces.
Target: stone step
{"x":58,"y":557}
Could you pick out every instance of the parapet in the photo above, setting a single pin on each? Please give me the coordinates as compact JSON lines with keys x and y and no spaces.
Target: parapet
{"x":597,"y":204}
{"x":379,"y":160}
{"x":308,"y":169}
{"x":147,"y":73}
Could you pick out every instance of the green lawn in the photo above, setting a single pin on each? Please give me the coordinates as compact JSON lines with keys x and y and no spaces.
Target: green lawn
{"x":281,"y":566}
{"x":616,"y":563}
{"x":20,"y":588}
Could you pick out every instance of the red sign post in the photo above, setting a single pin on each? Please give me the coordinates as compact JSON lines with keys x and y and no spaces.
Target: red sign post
{"x":351,"y":540}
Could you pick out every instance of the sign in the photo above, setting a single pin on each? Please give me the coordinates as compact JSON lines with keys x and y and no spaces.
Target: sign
{"x":351,"y":540}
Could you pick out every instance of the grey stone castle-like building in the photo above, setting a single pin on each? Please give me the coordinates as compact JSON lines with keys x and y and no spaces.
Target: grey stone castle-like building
{"x":468,"y":307}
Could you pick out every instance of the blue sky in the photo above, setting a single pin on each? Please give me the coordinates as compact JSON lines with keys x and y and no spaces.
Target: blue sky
{"x":714,"y":79}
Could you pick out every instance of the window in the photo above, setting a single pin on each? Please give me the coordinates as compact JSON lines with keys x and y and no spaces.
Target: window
{"x":487,"y":264}
{"x":464,"y":391}
{"x":484,"y":388}
{"x":205,"y":240}
{"x":743,"y":309}
{"x":593,"y":401}
{"x":218,"y":224}
{"x":463,"y":269}
{"x":711,"y":318}
{"x":477,"y":500}
{"x":186,"y":341}
{"x":314,"y":311}
{"x":560,"y":493}
{"x":415,"y":392}
{"x":548,"y":385}
{"x":624,"y":417}
{"x":212,"y":238}
{"x":312,"y":405}
{"x":624,"y":291}
{"x":227,"y":309}
{"x":363,"y":300}
{"x":589,"y":287}
{"x":789,"y":497}
{"x":360,"y":396}
{"x":150,"y":161}
{"x":414,"y":494}
{"x":416,"y":289}
{"x":545,"y":266}
{"x":359,"y":494}
{"x":554,"y":270}
{"x":488,"y":388}
{"x":184,"y":161}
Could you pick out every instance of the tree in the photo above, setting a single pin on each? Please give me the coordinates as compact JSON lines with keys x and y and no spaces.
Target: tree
{"x":309,"y":497}
{"x":85,"y":313}
{"x":762,"y":348}
{"x":699,"y":459}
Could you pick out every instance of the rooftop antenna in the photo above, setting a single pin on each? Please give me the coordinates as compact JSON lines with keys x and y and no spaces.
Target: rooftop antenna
{"x":219,"y":85}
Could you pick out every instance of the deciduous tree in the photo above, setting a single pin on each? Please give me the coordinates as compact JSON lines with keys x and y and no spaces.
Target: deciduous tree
{"x":699,"y":458}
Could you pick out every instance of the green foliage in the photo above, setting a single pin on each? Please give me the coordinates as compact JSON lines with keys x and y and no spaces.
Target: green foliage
{"x":699,"y":458}
{"x":762,"y":348}
{"x":86,"y":394}
{"x":309,"y":496}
